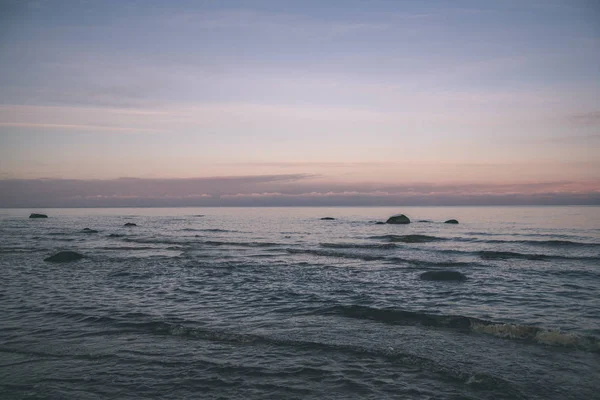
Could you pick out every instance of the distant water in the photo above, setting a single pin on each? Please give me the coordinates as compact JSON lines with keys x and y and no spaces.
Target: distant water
{"x":262,"y":303}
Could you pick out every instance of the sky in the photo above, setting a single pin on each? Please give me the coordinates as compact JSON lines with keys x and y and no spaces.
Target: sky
{"x":274,"y":102}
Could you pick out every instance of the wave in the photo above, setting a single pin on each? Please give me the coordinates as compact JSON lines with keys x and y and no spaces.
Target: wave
{"x":425,"y":265}
{"x":154,"y":241}
{"x":464,"y":324}
{"x":409,"y":238}
{"x":421,"y":264}
{"x":547,"y":243}
{"x":241,"y":244}
{"x":357,"y":246}
{"x":416,"y":238}
{"x":336,"y":254}
{"x":131,"y":248}
{"x":508,"y":255}
{"x":21,"y":250}
{"x":206,"y":230}
{"x":552,"y":235}
{"x":187,"y":330}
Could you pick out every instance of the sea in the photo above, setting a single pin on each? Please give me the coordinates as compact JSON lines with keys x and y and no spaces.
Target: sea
{"x":276,"y":303}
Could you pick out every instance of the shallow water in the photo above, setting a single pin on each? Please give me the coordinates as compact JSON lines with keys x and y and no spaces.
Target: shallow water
{"x":276,"y":303}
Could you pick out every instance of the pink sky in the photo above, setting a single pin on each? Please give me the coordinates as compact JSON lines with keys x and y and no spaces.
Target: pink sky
{"x":351,"y":103}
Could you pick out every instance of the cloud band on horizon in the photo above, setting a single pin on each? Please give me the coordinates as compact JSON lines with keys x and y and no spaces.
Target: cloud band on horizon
{"x":281,"y":190}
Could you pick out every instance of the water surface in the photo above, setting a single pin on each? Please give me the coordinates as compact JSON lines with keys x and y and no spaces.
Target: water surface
{"x":276,"y":303}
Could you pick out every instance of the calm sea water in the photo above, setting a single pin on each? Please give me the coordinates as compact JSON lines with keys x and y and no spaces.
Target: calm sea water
{"x":262,"y":303}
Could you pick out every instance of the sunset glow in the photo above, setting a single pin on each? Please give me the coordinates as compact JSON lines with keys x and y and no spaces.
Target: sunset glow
{"x":365,"y":99}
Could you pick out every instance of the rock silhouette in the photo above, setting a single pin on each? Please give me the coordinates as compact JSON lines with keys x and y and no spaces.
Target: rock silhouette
{"x":64,"y":256}
{"x":451,"y":221}
{"x":398,"y":219}
{"x":35,"y":215}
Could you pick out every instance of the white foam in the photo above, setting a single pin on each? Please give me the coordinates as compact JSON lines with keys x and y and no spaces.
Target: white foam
{"x":508,"y":331}
{"x":557,"y":338}
{"x":542,"y":336}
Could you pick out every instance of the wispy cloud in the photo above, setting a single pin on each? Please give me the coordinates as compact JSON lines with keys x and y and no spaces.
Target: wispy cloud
{"x":76,"y":127}
{"x":575,"y":139}
{"x":591,"y":118}
{"x":268,"y":22}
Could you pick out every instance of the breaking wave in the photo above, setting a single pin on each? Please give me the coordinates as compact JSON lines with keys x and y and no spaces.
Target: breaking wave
{"x":184,"y":330}
{"x":528,"y":333}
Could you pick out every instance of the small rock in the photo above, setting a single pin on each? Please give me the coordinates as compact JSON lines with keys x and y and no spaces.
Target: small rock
{"x":398,"y":219}
{"x":451,"y":221}
{"x":130,"y":224}
{"x":35,"y":215}
{"x":88,"y":230}
{"x":379,"y":223}
{"x":327,"y":219}
{"x":64,"y":256}
{"x":115,"y":235}
{"x":443,"y":276}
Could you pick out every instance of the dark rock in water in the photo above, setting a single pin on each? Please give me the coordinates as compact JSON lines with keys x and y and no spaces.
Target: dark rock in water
{"x":88,"y":230}
{"x":379,"y":223}
{"x":451,"y":221}
{"x":327,"y":219}
{"x":64,"y":256}
{"x":198,"y":215}
{"x":443,"y":276}
{"x":115,"y":235}
{"x":425,"y":220}
{"x":34,"y":215}
{"x":130,"y":224}
{"x":398,"y":219}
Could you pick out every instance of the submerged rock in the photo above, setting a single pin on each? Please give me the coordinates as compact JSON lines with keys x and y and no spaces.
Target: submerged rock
{"x":64,"y":256}
{"x":130,"y":224}
{"x":451,"y":221}
{"x":35,"y":215}
{"x":327,"y":219}
{"x":398,"y":219}
{"x":443,"y":276}
{"x":88,"y":230}
{"x":115,"y":235}
{"x":379,"y":223}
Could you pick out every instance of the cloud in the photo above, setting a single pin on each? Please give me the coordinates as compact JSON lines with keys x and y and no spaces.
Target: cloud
{"x":269,"y":23}
{"x":591,"y":118}
{"x":76,"y":127}
{"x":281,"y":190}
{"x":570,"y":139}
